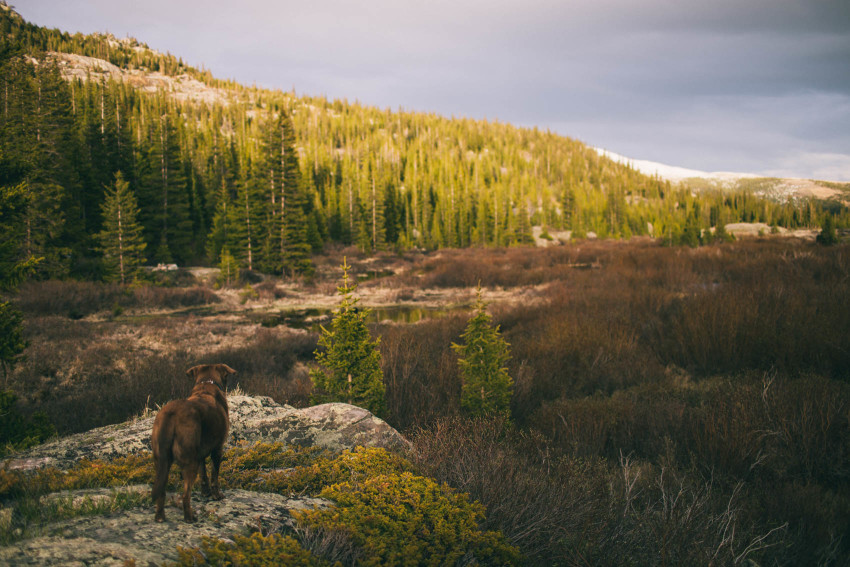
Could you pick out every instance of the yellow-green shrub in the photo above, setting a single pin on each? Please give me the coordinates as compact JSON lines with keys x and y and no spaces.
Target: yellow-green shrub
{"x":306,"y":476}
{"x":254,"y":550}
{"x":404,"y":519}
{"x":132,"y":469}
{"x":271,"y":467}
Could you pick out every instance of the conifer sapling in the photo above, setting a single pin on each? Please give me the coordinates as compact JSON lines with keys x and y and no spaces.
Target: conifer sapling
{"x":487,"y":387}
{"x":351,"y":362}
{"x":121,"y":238}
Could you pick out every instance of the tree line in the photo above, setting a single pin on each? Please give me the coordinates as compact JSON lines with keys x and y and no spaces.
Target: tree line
{"x":268,"y":177}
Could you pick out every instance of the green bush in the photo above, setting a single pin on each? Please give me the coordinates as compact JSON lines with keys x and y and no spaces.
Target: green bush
{"x":404,"y":519}
{"x":255,"y":549}
{"x":17,"y":431}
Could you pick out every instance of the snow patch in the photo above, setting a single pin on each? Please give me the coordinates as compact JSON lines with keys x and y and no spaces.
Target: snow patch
{"x":672,"y":172}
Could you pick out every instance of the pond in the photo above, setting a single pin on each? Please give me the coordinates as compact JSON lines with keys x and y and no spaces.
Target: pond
{"x":311,"y":319}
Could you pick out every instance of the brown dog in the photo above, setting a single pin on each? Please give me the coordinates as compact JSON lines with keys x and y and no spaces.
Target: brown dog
{"x":186,"y":431}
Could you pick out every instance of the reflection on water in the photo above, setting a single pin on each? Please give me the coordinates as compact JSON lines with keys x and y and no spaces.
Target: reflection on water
{"x":311,"y":319}
{"x":374,"y":275}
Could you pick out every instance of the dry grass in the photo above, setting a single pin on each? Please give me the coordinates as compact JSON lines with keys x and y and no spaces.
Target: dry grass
{"x":663,"y":397}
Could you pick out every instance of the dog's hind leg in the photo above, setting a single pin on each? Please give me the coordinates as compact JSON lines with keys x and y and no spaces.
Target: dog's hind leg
{"x":190,"y":471}
{"x":162,"y":463}
{"x":205,"y":482}
{"x":215,"y":458}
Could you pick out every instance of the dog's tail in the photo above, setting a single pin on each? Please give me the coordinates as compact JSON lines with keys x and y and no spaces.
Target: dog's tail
{"x":163,"y":456}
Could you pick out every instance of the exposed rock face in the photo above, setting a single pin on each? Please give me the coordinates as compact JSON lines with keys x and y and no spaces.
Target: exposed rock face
{"x":131,"y":534}
{"x":180,"y":87}
{"x":333,"y":426}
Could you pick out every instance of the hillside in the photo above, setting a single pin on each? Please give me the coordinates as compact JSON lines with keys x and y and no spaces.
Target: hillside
{"x":267,"y":178}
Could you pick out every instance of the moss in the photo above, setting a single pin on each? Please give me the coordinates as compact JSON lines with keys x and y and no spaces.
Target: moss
{"x":404,"y":519}
{"x":256,"y":549}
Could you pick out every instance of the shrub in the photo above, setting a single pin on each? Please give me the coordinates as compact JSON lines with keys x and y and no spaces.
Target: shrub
{"x":404,"y":519}
{"x":309,"y":471}
{"x":12,"y":343}
{"x":79,"y":299}
{"x":384,"y":513}
{"x":532,"y":496}
{"x":248,"y":294}
{"x":420,"y":372}
{"x":18,"y":432}
{"x":589,"y":511}
{"x":255,"y":549}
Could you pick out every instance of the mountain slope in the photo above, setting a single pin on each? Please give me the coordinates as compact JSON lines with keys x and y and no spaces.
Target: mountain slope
{"x":779,"y":188}
{"x":221,"y":170}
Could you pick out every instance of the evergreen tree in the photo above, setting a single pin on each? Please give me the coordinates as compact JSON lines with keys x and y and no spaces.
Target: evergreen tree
{"x":223,"y":233}
{"x":164,"y":195}
{"x":228,"y":268}
{"x":828,"y":235}
{"x":351,"y":362}
{"x":297,"y":248}
{"x":368,"y":177}
{"x":13,"y":269}
{"x":121,"y":238}
{"x":487,"y":387}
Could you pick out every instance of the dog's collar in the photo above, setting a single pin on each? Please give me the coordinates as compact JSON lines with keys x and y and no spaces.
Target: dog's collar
{"x":213,"y":382}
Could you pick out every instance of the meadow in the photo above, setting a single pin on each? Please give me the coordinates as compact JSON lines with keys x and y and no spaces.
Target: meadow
{"x":671,"y":406}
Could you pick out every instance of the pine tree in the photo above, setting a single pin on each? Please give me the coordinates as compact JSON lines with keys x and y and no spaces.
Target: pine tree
{"x":296,"y":251}
{"x":487,"y":387}
{"x":13,"y":269}
{"x":228,"y":268}
{"x":351,"y":362}
{"x":121,"y":238}
{"x":828,"y":235}
{"x":164,"y":195}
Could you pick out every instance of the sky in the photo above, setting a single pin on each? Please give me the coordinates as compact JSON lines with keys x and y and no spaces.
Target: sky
{"x":754,"y":86}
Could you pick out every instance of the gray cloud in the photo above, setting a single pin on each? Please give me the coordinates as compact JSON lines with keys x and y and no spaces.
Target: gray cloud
{"x":762,"y":85}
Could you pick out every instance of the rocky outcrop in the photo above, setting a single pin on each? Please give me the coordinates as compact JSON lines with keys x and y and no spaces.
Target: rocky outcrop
{"x":333,"y":426}
{"x":180,"y":87}
{"x":116,"y":526}
{"x":127,"y":536}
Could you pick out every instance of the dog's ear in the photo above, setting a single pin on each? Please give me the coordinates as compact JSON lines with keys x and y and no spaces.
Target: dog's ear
{"x":192,"y":372}
{"x":224,"y":372}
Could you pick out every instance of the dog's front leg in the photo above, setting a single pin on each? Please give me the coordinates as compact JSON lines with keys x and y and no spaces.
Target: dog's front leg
{"x":216,"y":457}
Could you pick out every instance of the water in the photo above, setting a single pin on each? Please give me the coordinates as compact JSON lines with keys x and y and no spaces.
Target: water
{"x":311,"y":319}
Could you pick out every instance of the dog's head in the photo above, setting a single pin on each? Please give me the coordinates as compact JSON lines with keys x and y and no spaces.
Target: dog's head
{"x":216,"y":373}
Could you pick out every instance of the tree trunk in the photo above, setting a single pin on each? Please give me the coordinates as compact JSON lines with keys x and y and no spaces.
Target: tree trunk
{"x":120,"y":246}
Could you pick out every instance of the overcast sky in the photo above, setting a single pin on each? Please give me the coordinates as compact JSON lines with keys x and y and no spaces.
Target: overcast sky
{"x":760,"y":86}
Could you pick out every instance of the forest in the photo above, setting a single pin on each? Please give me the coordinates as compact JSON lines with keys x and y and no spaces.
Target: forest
{"x":266,"y":178}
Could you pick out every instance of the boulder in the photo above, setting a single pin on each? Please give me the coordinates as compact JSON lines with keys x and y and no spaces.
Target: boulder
{"x":122,"y":534}
{"x":334,"y":426}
